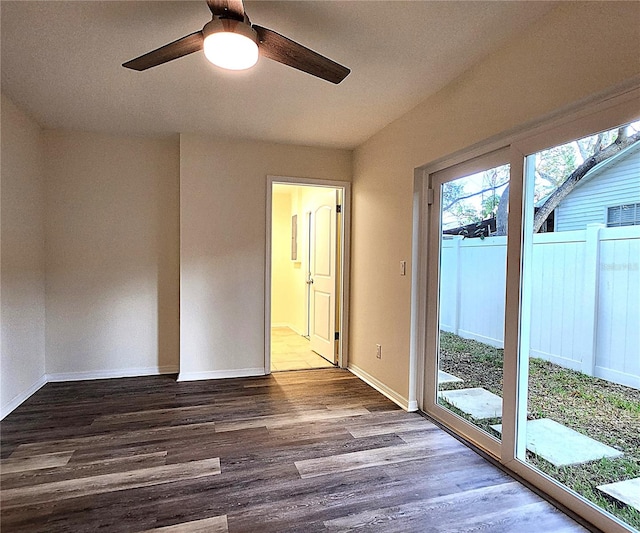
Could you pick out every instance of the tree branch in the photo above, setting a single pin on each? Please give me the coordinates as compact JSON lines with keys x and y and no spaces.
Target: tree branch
{"x":460,"y":198}
{"x":547,"y":177}
{"x":581,"y":150}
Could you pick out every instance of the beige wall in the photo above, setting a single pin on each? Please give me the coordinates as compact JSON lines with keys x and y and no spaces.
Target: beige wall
{"x":577,"y":50}
{"x":282,"y":301}
{"x":22,"y":346}
{"x":223,"y":228}
{"x":112,"y":292}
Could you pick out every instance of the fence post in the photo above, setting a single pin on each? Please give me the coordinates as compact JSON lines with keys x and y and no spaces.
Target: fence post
{"x":591,"y":274}
{"x":456,"y":284}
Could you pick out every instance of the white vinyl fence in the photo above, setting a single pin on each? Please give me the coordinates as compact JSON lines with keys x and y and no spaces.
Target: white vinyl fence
{"x":585,"y":297}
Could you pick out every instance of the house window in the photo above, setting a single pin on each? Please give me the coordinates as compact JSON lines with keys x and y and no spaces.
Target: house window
{"x":623,"y":215}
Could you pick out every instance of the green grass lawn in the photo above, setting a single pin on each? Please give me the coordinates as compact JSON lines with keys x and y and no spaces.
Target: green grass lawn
{"x":604,"y":411}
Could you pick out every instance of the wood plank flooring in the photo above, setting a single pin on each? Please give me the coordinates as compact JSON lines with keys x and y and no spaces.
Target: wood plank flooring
{"x":304,"y":451}
{"x":290,"y":351}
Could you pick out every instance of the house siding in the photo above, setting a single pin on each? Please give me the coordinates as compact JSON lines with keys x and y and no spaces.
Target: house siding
{"x":615,"y":185}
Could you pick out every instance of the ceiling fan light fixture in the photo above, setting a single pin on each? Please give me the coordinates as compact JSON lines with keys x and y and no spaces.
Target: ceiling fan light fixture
{"x":230,"y":44}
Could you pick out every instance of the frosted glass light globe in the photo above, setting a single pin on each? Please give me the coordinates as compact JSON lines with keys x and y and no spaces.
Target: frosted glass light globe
{"x":229,"y":50}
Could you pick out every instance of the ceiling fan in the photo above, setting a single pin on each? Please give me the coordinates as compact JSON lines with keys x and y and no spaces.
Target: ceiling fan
{"x":230,"y":41}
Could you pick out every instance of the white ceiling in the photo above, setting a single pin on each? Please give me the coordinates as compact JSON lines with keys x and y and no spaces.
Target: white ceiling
{"x":61,"y":63}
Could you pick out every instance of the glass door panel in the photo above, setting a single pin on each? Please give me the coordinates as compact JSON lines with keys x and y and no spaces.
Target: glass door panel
{"x":579,"y":394}
{"x":472,"y":272}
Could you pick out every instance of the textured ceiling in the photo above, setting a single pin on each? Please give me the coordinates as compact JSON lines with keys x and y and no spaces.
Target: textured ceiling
{"x":61,"y":63}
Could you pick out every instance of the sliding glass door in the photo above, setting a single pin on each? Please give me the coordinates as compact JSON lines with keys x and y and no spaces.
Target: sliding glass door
{"x":468,"y":243}
{"x":528,"y":305}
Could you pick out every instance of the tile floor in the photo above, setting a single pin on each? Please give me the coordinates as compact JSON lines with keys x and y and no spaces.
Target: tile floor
{"x":290,"y":351}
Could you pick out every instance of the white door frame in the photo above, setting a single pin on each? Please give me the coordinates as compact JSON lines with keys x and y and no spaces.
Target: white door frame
{"x":345,"y":252}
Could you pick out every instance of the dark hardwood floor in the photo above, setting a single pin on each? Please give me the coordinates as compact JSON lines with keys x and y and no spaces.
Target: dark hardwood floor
{"x":296,"y":451}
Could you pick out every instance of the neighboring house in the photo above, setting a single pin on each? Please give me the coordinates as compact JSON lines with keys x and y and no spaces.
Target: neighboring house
{"x":608,"y":194}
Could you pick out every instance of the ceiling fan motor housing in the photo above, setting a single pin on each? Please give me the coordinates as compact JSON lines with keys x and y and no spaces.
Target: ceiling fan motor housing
{"x":218,"y":25}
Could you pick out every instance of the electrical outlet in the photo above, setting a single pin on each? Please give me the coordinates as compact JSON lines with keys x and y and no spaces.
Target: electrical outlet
{"x":379,"y":351}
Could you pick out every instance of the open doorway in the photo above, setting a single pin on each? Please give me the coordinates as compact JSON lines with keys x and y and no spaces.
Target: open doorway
{"x":305,"y":296}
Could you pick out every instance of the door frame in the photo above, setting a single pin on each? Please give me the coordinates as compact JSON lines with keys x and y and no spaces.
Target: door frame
{"x":345,"y":255}
{"x":433,"y":240}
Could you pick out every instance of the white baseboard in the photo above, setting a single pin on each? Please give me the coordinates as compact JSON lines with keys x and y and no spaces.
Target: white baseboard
{"x":126,"y":373}
{"x":290,"y":326}
{"x":296,"y":330}
{"x":115,"y":373}
{"x":188,"y":376}
{"x":222,"y":374}
{"x":23,"y":396}
{"x":396,"y":398}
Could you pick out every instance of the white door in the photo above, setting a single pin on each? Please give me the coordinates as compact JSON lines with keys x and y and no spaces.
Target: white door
{"x":322,"y":273}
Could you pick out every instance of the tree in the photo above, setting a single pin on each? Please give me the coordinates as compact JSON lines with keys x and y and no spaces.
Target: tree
{"x":489,"y":207}
{"x":474,"y":198}
{"x":502,"y":213}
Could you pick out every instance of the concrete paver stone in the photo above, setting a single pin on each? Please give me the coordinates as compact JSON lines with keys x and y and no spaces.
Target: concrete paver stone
{"x":445,"y":377}
{"x":477,"y":402}
{"x":625,"y":491}
{"x":561,"y":445}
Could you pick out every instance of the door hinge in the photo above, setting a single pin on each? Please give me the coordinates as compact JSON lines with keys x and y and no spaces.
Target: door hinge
{"x":338,"y":208}
{"x":429,"y":196}
{"x":337,"y":337}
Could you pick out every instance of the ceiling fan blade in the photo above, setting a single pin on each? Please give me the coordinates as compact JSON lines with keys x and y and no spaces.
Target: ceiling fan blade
{"x":284,"y":50}
{"x":227,"y":9}
{"x":182,"y":47}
